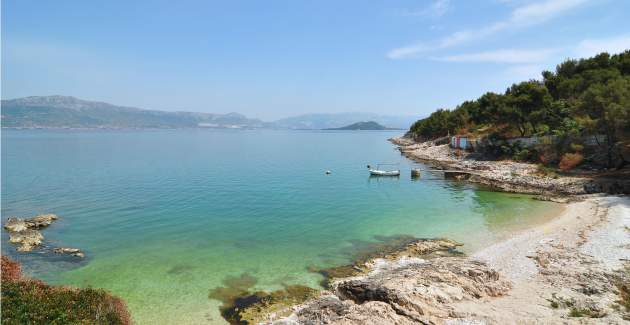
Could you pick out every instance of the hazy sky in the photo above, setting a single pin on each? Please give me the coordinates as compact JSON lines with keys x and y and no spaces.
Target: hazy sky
{"x":271,"y":59}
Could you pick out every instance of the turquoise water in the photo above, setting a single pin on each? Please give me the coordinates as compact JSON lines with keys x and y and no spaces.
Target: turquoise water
{"x":166,"y":215}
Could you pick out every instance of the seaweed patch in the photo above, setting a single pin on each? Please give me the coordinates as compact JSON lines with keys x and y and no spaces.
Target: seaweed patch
{"x":240,"y":306}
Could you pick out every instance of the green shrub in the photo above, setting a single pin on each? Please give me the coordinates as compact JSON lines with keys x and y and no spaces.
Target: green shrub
{"x":27,"y":301}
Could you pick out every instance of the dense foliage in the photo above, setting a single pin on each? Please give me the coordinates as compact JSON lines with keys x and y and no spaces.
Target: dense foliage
{"x":581,"y":98}
{"x":29,"y":301}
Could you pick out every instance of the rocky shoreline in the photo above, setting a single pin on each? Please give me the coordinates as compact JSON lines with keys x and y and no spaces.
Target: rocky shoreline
{"x":509,"y":176}
{"x":554,"y":273}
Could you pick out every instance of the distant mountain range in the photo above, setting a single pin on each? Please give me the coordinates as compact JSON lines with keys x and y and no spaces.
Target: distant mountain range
{"x":71,"y":112}
{"x":370,"y":125}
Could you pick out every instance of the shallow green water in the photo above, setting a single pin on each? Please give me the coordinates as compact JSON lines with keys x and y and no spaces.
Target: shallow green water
{"x":165,"y":216}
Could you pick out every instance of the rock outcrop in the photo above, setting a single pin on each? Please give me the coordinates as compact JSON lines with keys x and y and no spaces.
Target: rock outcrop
{"x":41,"y":221}
{"x":382,"y":285}
{"x":401,"y":280}
{"x":69,"y":251}
{"x":26,"y":239}
{"x":25,"y":232}
{"x":417,"y":292}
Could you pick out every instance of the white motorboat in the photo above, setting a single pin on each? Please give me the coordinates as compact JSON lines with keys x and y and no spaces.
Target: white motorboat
{"x":380,"y":172}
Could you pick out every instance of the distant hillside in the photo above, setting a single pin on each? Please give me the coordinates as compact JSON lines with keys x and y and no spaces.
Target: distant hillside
{"x":370,"y":125}
{"x":71,"y":112}
{"x":328,"y":121}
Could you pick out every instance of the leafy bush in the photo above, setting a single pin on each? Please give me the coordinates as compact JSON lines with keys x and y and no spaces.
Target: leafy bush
{"x":28,"y":301}
{"x":570,"y":160}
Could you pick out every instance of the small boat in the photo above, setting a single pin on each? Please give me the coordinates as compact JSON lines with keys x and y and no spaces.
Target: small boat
{"x":379,"y":172}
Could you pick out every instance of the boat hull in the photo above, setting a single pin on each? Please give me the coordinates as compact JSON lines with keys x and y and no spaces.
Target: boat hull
{"x":384,"y":172}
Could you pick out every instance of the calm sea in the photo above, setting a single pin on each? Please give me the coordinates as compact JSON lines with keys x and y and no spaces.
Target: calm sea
{"x":167,"y":215}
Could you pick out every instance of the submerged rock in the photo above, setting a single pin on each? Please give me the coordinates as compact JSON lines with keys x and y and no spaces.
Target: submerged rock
{"x":69,"y":251}
{"x":242,"y":305}
{"x":261,"y":305}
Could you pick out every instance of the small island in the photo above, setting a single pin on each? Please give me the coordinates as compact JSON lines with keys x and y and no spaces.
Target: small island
{"x":370,"y":125}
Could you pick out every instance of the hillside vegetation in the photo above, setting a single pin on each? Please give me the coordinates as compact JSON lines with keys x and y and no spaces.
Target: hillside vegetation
{"x":581,"y":98}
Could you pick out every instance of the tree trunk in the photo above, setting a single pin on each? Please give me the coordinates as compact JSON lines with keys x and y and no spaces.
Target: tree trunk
{"x":610,"y":138}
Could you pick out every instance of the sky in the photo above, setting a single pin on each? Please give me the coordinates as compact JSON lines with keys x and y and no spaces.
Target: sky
{"x":271,"y":59}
